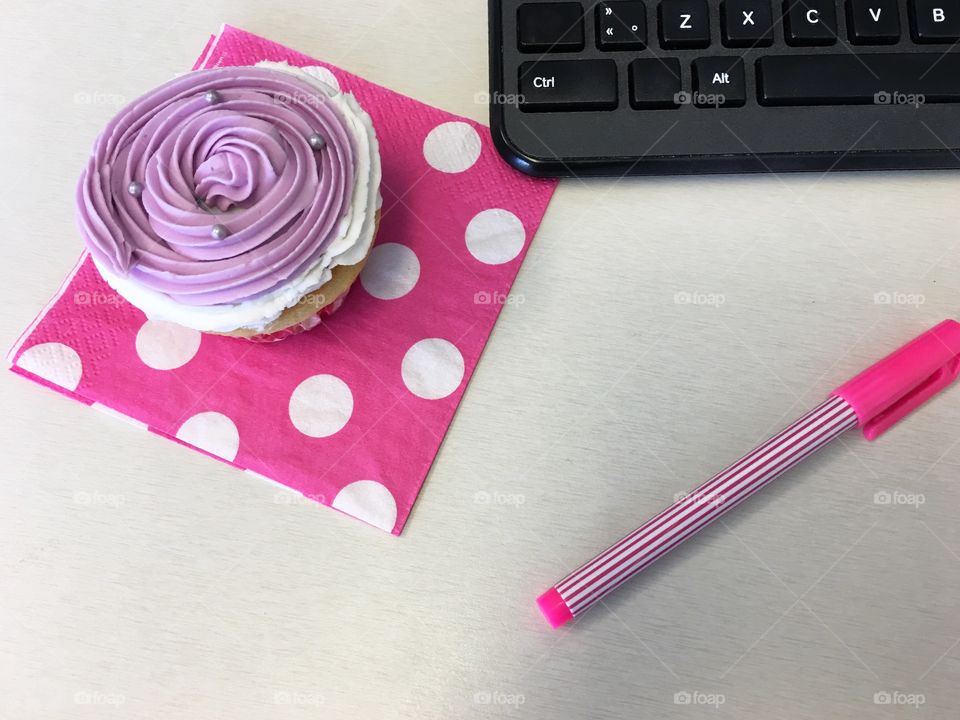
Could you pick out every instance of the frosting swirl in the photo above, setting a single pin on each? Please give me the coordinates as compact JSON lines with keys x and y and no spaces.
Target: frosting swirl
{"x":220,"y":186}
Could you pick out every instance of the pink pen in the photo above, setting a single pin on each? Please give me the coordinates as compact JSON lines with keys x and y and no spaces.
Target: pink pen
{"x":874,"y":401}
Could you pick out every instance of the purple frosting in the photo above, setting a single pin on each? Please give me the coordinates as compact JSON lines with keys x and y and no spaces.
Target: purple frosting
{"x":226,"y":147}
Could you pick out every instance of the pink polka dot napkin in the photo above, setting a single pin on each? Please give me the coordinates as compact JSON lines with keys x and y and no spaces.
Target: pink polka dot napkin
{"x":352,"y":413}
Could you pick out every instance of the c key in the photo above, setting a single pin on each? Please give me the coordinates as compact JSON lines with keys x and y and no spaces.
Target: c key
{"x":810,"y":22}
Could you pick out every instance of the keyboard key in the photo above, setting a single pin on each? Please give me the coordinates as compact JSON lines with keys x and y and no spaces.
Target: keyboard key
{"x":873,"y":21}
{"x":847,"y":79}
{"x":810,"y":22}
{"x":568,"y":85}
{"x":746,"y":23}
{"x":684,"y":24}
{"x":718,"y":82}
{"x":622,"y":25}
{"x":550,"y":27}
{"x":935,"y":21}
{"x":654,"y":83}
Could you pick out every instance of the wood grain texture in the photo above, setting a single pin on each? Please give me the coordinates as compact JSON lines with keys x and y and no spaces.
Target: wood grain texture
{"x":138,"y":574}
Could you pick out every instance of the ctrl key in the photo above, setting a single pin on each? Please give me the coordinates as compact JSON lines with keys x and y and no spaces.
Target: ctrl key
{"x":558,"y":85}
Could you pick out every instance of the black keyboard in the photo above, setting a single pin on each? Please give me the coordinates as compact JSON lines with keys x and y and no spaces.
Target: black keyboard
{"x":698,"y":86}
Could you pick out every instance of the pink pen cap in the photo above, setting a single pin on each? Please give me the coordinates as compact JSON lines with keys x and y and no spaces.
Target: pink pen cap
{"x":554,"y":609}
{"x":891,"y":389}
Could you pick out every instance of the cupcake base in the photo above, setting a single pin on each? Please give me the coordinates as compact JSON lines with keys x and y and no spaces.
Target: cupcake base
{"x":309,"y":311}
{"x":307,"y":324}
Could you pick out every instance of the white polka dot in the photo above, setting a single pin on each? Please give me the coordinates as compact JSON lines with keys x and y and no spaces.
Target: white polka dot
{"x":213,"y":432}
{"x":452,"y":147}
{"x":165,"y":345}
{"x":54,"y":362}
{"x":321,"y":406}
{"x":318,"y":72}
{"x":369,"y":501}
{"x":432,"y":368}
{"x":391,"y":272}
{"x":495,"y":236}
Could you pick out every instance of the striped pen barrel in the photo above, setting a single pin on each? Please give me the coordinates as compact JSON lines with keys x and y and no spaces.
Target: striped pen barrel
{"x":875,"y":400}
{"x":591,"y":582}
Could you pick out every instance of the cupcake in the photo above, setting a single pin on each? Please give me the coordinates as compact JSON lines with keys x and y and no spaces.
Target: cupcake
{"x":236,"y":201}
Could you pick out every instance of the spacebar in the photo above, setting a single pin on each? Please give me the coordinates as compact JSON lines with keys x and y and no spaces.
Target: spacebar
{"x":881,"y":79}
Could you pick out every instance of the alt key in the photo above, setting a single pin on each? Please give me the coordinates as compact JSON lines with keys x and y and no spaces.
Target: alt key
{"x":718,"y":82}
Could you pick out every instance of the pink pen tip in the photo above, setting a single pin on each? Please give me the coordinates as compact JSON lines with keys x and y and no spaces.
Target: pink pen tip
{"x":554,"y":609}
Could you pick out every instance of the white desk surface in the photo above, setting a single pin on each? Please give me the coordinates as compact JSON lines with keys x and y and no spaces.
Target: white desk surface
{"x":597,"y":400}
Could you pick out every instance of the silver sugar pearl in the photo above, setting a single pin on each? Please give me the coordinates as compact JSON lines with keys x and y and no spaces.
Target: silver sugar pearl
{"x":317,"y":141}
{"x":219,"y":232}
{"x":212,"y":97}
{"x":135,"y":188}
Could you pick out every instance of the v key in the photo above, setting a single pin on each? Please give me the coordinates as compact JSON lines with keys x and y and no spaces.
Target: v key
{"x":873,"y":21}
